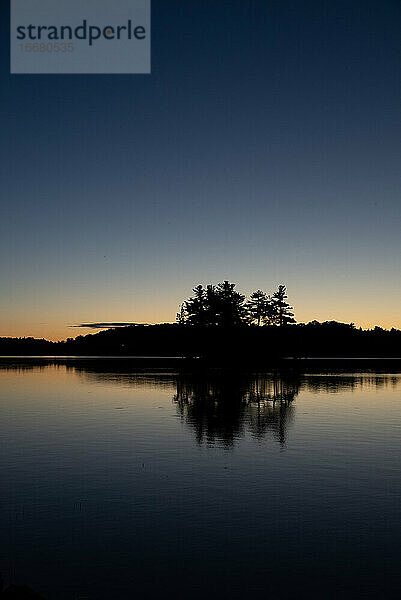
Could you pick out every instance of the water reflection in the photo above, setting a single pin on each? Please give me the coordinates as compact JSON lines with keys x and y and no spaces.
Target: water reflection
{"x":221,"y":408}
{"x":95,"y":497}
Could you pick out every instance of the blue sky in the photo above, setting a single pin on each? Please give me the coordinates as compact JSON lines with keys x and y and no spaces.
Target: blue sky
{"x":264,"y":148}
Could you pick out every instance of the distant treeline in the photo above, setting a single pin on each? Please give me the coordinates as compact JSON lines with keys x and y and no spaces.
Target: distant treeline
{"x":220,"y":325}
{"x":220,"y":343}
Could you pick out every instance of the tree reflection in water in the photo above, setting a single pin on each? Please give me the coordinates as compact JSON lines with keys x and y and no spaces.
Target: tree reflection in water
{"x":222,"y":407}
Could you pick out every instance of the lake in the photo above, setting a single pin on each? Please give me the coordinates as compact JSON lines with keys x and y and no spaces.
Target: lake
{"x":118,"y":484}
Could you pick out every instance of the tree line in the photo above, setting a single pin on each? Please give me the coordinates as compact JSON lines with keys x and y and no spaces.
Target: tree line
{"x":222,"y":305}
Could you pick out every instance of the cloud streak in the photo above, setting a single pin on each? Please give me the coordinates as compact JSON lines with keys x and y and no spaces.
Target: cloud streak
{"x":106,"y":325}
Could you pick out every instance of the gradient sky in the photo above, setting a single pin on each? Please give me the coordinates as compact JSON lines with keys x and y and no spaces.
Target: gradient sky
{"x":264,"y":148}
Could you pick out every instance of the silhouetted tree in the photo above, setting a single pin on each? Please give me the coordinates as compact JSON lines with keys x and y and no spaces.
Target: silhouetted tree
{"x":215,"y":305}
{"x":212,"y":308}
{"x":180,"y":317}
{"x":261,"y":309}
{"x":230,"y":305}
{"x":270,"y":314}
{"x":282,"y":309}
{"x":194,"y":310}
{"x":257,"y":307}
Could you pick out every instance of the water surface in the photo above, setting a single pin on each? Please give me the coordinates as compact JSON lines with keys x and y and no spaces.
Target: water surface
{"x":117,"y":484}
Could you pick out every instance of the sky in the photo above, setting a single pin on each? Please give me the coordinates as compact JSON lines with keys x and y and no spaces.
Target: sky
{"x":264,"y":148}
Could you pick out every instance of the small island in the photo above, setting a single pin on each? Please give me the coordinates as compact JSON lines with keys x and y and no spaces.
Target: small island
{"x":219,"y":326}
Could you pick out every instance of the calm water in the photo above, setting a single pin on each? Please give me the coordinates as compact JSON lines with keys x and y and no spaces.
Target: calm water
{"x":116,"y":485}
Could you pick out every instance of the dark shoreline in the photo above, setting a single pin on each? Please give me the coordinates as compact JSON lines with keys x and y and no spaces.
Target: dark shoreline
{"x":178,"y":363}
{"x":222,"y":346}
